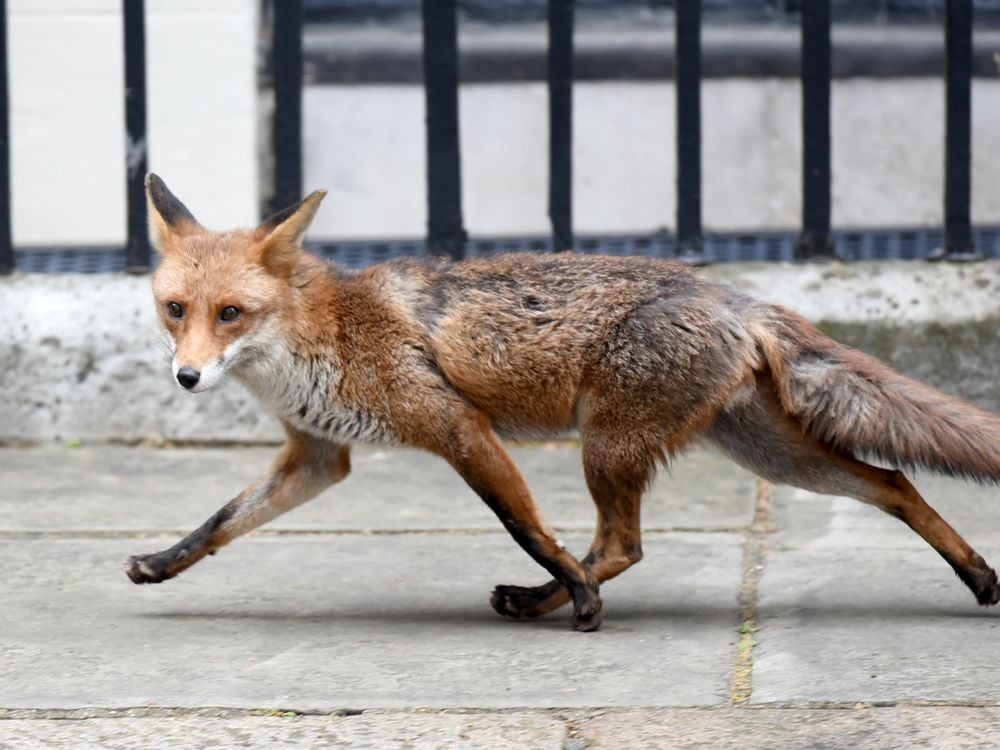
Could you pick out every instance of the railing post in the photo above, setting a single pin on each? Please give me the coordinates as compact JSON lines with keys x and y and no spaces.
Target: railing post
{"x":6,"y":245}
{"x":287,"y":131}
{"x":958,"y":244}
{"x":560,"y":74}
{"x":445,"y":232}
{"x":137,"y":254}
{"x":816,"y":241}
{"x":688,"y":46}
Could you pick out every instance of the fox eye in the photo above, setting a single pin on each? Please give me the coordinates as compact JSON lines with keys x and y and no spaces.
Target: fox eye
{"x":229,"y":313}
{"x":175,"y":310}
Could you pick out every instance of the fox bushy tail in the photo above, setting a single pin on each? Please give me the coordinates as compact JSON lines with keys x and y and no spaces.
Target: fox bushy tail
{"x":858,"y":405}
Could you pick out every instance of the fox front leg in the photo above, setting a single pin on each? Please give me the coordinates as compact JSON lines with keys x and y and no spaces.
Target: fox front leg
{"x":477,"y":454}
{"x":305,"y":468}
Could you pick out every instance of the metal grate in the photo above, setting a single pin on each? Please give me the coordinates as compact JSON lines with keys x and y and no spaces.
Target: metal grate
{"x":71,"y":260}
{"x":849,"y":245}
{"x":753,"y":11}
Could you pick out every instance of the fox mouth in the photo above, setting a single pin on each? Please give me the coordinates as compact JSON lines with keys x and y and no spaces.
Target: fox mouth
{"x":199,"y":388}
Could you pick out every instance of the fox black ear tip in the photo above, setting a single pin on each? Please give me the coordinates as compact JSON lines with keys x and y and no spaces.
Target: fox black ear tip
{"x":153,"y":179}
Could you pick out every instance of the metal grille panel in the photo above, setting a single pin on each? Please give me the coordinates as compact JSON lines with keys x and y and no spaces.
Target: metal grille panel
{"x":849,"y":245}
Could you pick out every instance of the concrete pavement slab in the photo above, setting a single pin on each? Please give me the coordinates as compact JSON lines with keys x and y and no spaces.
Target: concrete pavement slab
{"x":346,"y":621}
{"x":871,"y":625}
{"x":386,"y":731}
{"x":892,"y":728}
{"x":118,"y":488}
{"x":885,"y":728}
{"x":855,"y":607}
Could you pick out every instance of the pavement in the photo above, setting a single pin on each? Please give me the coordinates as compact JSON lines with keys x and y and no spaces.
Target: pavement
{"x":760,"y":617}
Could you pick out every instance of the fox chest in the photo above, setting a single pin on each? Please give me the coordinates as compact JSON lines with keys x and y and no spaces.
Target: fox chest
{"x":307,"y":396}
{"x":340,"y":423}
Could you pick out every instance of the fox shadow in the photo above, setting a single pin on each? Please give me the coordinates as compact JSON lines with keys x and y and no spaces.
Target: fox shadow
{"x":627,"y":615}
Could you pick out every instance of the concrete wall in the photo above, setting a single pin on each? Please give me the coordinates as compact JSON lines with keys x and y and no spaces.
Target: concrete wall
{"x":366,"y":145}
{"x":67,"y":113}
{"x":81,"y":359}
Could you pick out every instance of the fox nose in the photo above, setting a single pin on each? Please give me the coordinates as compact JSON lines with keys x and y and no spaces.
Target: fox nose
{"x":188,"y":377}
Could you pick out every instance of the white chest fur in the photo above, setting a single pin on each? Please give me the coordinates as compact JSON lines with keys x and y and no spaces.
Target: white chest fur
{"x":306,"y":393}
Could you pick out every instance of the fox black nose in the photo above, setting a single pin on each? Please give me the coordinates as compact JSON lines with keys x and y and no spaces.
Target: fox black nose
{"x":188,"y":377}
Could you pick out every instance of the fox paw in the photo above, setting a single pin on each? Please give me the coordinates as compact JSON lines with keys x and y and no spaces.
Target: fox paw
{"x":147,"y":569}
{"x":982,"y":581}
{"x":588,"y":618}
{"x":519,"y":601}
{"x":988,"y":592}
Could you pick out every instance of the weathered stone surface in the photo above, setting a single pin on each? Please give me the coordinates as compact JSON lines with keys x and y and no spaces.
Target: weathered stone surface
{"x":81,"y":358}
{"x":793,"y":729}
{"x":115,"y":488}
{"x":335,"y":622}
{"x":379,"y":731}
{"x":361,"y":610}
{"x":889,"y":728}
{"x":855,"y":607}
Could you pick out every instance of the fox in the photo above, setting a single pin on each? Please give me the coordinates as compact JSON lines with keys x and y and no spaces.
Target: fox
{"x":639,"y":357}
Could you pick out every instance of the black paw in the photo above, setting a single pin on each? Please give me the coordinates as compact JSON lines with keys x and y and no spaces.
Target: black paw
{"x":982,"y":581}
{"x":589,"y":617}
{"x":147,"y":568}
{"x":517,"y":601}
{"x":987,"y":591}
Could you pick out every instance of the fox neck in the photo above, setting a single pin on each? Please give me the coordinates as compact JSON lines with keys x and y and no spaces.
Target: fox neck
{"x":303,"y":390}
{"x":279,"y":373}
{"x":298,"y":374}
{"x":286,"y":368}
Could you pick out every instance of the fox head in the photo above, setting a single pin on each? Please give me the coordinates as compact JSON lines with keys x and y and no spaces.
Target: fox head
{"x":221,"y":296}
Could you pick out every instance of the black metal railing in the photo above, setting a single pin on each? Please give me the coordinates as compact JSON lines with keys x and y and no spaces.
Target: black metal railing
{"x":6,"y":246}
{"x":445,"y":229}
{"x":446,"y":233}
{"x":816,"y":175}
{"x":560,"y":75}
{"x":958,"y":131}
{"x":286,"y":143}
{"x":688,"y":46}
{"x":137,"y":255}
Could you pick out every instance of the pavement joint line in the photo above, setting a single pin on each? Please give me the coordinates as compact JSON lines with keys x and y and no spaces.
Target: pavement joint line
{"x":573,"y":718}
{"x":754,"y":553}
{"x":32,"y":535}
{"x":165,"y":712}
{"x":851,"y":705}
{"x":571,"y":733}
{"x":566,"y":715}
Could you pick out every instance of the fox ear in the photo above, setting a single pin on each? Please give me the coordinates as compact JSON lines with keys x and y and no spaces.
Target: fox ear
{"x":168,"y":217}
{"x":281,"y":234}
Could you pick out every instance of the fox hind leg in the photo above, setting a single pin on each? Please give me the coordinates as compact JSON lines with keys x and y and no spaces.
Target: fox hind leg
{"x":616,"y":479}
{"x":478,"y":456}
{"x":897,"y":497}
{"x":761,"y":437}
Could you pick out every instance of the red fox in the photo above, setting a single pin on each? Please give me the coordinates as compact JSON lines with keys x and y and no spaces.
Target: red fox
{"x":639,"y":356}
